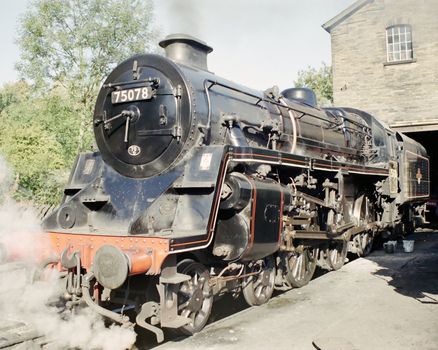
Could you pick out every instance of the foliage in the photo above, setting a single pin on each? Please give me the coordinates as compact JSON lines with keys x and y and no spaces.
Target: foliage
{"x":75,"y":44}
{"x":67,"y":48}
{"x":320,"y":81}
{"x":38,"y":139}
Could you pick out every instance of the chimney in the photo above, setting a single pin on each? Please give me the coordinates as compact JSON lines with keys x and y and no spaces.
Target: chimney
{"x":187,"y":50}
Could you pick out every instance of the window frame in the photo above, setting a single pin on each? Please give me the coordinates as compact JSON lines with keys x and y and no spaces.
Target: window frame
{"x":399,"y":30}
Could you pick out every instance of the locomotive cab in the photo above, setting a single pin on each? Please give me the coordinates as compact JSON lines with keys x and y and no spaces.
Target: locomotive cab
{"x":379,"y":146}
{"x":414,"y":170}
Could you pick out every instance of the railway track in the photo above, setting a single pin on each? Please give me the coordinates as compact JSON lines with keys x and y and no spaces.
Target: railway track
{"x":14,"y":333}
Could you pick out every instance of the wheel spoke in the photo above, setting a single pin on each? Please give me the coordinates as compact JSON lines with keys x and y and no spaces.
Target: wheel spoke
{"x":258,"y":282}
{"x":201,"y":314}
{"x":185,"y":293}
{"x":201,"y":282}
{"x":185,"y":313}
{"x":183,"y":305}
{"x":296,"y":266}
{"x":258,"y":291}
{"x":303,"y":265}
{"x":195,"y":280}
{"x":335,"y":255}
{"x":309,"y":257}
{"x":189,"y":288}
{"x":193,"y":318}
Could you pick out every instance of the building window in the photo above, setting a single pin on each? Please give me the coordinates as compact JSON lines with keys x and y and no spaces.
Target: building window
{"x":399,"y":43}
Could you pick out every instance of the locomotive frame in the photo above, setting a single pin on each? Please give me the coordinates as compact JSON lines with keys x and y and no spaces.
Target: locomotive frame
{"x":205,"y":187}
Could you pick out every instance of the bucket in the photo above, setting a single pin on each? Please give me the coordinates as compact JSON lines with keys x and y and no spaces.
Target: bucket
{"x":408,"y":246}
{"x":389,"y":247}
{"x":394,"y":243}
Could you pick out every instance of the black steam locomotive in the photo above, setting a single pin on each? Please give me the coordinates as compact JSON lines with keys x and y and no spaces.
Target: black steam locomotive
{"x":203,"y":186}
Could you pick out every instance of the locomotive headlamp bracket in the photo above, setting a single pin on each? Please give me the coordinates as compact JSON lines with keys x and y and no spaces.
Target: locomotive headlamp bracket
{"x":153,"y":82}
{"x":69,"y":261}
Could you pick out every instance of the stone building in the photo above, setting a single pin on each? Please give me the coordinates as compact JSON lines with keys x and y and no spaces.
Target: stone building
{"x":385,"y":61}
{"x":384,"y":56}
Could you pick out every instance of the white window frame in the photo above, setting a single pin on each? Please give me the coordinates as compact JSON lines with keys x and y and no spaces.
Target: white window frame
{"x":400,"y":49}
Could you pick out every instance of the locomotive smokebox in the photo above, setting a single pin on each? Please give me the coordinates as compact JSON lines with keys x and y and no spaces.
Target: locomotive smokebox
{"x":187,"y":50}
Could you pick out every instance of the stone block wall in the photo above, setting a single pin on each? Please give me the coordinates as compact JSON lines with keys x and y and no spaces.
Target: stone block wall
{"x":398,"y":94}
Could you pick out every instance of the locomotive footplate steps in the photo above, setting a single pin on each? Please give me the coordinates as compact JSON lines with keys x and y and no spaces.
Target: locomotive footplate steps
{"x":170,"y":281}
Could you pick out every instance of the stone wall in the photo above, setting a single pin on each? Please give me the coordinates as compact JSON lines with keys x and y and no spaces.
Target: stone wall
{"x":398,"y":94}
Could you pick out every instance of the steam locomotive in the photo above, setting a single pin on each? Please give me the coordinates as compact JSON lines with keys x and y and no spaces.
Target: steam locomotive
{"x":202,"y":186}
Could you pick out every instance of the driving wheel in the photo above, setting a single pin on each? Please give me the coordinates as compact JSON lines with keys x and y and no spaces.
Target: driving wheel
{"x":364,"y":243}
{"x":336,"y":254}
{"x":259,"y":285}
{"x":300,"y":267}
{"x":195,"y":298}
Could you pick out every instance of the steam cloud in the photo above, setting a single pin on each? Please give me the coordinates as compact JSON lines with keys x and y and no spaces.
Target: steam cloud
{"x":185,"y":16}
{"x":33,"y":301}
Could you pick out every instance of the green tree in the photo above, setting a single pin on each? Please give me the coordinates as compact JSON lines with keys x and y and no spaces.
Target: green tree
{"x":67,"y":48}
{"x":38,"y":138}
{"x":75,"y":44}
{"x":320,"y":81}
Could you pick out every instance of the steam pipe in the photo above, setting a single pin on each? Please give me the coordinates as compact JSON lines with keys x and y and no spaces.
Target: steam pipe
{"x":294,"y":125}
{"x":100,"y":310}
{"x":207,"y":88}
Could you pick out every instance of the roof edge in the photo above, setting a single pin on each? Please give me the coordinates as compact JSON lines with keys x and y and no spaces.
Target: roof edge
{"x":356,"y":6}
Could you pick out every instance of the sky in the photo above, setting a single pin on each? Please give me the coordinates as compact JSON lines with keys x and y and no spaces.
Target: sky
{"x":256,"y":43}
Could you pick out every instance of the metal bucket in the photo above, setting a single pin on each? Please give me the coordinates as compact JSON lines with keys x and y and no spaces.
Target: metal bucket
{"x":408,"y":246}
{"x":389,"y":247}
{"x":394,"y":243}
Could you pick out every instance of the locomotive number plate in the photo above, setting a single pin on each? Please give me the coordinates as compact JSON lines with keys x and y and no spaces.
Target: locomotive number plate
{"x":130,"y":95}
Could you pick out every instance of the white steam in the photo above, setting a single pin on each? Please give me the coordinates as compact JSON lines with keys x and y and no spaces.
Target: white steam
{"x":185,"y":16}
{"x":32,"y":299}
